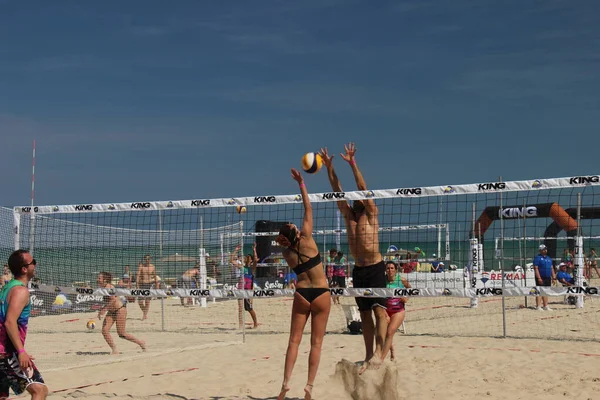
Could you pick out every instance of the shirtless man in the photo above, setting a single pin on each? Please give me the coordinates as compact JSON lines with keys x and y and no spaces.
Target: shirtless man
{"x":190,"y":279}
{"x":146,"y":277}
{"x":362,"y":227}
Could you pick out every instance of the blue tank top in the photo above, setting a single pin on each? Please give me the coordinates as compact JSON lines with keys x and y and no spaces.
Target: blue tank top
{"x":6,"y":345}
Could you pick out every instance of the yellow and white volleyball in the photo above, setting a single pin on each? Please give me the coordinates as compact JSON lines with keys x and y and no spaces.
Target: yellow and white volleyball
{"x":312,"y":162}
{"x":91,"y":324}
{"x":240,"y":209}
{"x":60,"y":300}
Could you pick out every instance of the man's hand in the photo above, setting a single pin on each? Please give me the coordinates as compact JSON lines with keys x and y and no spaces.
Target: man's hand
{"x":350,"y":151}
{"x":25,"y":361}
{"x":297,"y":177}
{"x":327,"y":159}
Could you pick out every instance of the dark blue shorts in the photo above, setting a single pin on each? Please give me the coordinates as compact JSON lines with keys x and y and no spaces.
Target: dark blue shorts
{"x":545,"y":281}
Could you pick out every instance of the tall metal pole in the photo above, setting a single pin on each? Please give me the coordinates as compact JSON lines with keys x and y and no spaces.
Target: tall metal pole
{"x":439,"y":233}
{"x":524,"y":255}
{"x":160,"y":234}
{"x":579,"y":259}
{"x":160,"y":250}
{"x":473,"y":259}
{"x":31,"y":211}
{"x":501,"y":261}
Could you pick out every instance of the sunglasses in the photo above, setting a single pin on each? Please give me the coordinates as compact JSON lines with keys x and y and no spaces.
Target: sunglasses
{"x":33,"y":262}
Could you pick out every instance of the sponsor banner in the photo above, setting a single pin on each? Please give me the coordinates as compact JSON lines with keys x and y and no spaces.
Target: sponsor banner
{"x":45,"y":303}
{"x":48,"y":303}
{"x":427,"y":280}
{"x":511,"y":279}
{"x":487,"y":187}
{"x":269,"y":283}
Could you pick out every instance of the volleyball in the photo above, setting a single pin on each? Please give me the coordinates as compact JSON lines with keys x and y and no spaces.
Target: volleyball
{"x":312,"y":162}
{"x":240,"y":209}
{"x":91,"y":324}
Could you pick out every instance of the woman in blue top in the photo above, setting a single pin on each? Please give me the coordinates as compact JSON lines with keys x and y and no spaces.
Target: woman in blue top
{"x":395,"y":306}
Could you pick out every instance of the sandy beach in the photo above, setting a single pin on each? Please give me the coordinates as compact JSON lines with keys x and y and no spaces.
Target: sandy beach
{"x":202,"y":355}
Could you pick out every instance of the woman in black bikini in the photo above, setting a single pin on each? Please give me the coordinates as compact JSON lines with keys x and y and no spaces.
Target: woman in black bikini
{"x":115,"y":309}
{"x":312,"y":297}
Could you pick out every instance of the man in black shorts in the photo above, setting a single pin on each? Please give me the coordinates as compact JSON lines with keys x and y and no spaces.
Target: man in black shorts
{"x":544,"y":276}
{"x":362,"y":226}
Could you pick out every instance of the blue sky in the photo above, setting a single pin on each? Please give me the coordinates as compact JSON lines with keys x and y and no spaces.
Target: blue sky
{"x":154,"y":100}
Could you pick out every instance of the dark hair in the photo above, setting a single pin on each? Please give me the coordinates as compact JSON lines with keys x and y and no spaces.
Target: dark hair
{"x":287,"y":236}
{"x":16,"y":261}
{"x":333,"y":250}
{"x":393,"y":263}
{"x":106,"y":276}
{"x":340,"y":254}
{"x":358,"y":206}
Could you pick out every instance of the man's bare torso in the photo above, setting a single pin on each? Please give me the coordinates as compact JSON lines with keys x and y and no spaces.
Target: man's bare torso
{"x":146,"y":273}
{"x":363,"y":239}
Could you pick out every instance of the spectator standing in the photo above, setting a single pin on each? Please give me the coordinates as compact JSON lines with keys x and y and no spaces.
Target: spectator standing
{"x":544,"y":276}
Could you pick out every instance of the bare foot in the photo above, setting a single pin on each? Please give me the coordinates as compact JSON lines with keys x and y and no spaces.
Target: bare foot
{"x":143,"y":345}
{"x":115,"y":352}
{"x":392,"y":355}
{"x":284,"y":389}
{"x":373,"y":363}
{"x":308,"y":391}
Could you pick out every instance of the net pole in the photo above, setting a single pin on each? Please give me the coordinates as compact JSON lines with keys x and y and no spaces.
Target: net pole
{"x":439,"y":229}
{"x":325,"y":252}
{"x":480,"y":250}
{"x":447,"y":242}
{"x":579,"y":253}
{"x":16,"y":229}
{"x":222,"y":253}
{"x":501,"y":261}
{"x":524,"y":255}
{"x":160,"y":233}
{"x":202,"y":260}
{"x":459,"y":246}
{"x":32,"y":212}
{"x":241,"y":280}
{"x":473,"y":258}
{"x":160,"y":252}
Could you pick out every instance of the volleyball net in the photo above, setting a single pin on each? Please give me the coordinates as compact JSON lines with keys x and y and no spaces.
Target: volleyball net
{"x":452,"y":243}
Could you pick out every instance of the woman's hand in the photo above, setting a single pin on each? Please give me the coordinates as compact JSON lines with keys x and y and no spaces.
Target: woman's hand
{"x":297,"y":177}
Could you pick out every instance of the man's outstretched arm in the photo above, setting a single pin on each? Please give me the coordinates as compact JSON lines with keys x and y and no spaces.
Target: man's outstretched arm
{"x":334,"y":181}
{"x":370,"y":205}
{"x":349,"y":157}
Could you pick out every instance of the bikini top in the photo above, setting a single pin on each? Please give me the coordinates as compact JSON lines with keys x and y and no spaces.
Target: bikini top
{"x":306,"y":265}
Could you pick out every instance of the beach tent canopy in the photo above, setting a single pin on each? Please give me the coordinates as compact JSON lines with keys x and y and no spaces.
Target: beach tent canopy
{"x":178,"y":258}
